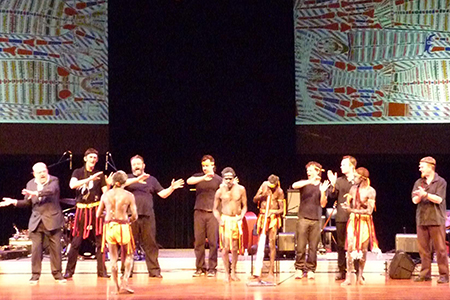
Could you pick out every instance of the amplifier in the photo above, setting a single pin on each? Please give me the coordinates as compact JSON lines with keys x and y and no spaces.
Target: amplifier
{"x":286,"y":241}
{"x":293,"y":202}
{"x":20,"y":243}
{"x":406,"y":242}
{"x":13,"y":253}
{"x":289,"y":223}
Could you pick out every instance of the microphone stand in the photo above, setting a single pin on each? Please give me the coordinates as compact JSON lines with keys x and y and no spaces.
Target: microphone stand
{"x":108,"y":163}
{"x":62,"y":160}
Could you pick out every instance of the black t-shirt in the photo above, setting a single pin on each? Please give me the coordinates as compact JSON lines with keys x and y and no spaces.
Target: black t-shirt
{"x":205,"y":192}
{"x":310,"y":202}
{"x":143,"y":194}
{"x":92,"y":191}
{"x":341,"y":188}
{"x":429,"y":213}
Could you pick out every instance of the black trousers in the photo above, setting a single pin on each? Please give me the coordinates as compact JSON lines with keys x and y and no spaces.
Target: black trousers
{"x":54,"y":244}
{"x":341,"y":236}
{"x":72,"y":256}
{"x":205,"y":226}
{"x":307,"y":233}
{"x":144,"y":234}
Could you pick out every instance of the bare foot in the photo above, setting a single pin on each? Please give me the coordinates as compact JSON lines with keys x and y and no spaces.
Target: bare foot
{"x":116,"y":292}
{"x":360,"y":281}
{"x":270,"y":278}
{"x":346,"y":282}
{"x":126,"y":290}
{"x":350,"y":279}
{"x":233,"y":277}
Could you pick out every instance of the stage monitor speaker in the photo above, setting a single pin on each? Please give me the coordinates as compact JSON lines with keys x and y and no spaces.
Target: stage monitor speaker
{"x":286,"y":241}
{"x":406,"y":242}
{"x":401,"y":266}
{"x":293,"y":202}
{"x":289,"y":223}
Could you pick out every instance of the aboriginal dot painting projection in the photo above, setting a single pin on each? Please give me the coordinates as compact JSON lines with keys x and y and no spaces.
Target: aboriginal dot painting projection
{"x":53,"y":61}
{"x":372,"y":61}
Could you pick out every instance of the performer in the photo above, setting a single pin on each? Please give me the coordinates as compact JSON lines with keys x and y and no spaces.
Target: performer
{"x":338,"y":189}
{"x":270,"y":188}
{"x":42,"y":194}
{"x":117,"y":229}
{"x":205,"y":224}
{"x":429,"y":194}
{"x":313,"y":199}
{"x":89,"y":184}
{"x":144,"y":187}
{"x":360,"y":228}
{"x":232,"y":198}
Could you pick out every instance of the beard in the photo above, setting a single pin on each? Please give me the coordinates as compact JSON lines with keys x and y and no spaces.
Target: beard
{"x":137,"y":172}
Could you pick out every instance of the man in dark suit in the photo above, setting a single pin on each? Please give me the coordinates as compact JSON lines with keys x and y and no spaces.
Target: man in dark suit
{"x":42,"y":194}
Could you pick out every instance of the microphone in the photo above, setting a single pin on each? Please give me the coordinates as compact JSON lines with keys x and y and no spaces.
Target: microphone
{"x":106,"y":163}
{"x":70,"y":160}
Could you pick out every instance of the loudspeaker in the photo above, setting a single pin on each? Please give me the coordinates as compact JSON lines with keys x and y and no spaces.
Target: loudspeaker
{"x":401,"y":266}
{"x":406,"y":242}
{"x":293,"y":202}
{"x":289,"y":223}
{"x":286,"y":241}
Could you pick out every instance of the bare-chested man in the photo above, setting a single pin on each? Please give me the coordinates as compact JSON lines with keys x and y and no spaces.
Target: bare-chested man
{"x":360,"y":229}
{"x":233,"y":199}
{"x":117,"y":230}
{"x":270,"y":189}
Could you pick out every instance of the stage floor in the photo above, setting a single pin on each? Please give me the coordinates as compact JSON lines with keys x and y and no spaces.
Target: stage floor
{"x":178,"y":283}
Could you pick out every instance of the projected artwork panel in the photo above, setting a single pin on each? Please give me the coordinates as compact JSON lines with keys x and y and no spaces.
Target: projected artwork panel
{"x":53,"y":61}
{"x":372,"y":61}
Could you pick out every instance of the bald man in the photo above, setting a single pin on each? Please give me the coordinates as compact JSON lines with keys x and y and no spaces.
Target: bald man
{"x":42,"y":194}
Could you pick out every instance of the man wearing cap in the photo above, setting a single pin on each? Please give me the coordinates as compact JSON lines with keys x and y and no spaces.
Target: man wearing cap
{"x":270,"y":196}
{"x":429,"y":194}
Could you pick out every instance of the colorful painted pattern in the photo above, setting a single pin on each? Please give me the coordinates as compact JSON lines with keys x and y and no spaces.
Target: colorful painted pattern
{"x":53,"y":61}
{"x":372,"y":61}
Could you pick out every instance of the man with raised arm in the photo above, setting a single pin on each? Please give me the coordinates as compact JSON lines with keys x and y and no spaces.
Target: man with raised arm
{"x":232,"y":198}
{"x":46,"y":220}
{"x":340,"y":186}
{"x":312,"y":199}
{"x":117,"y":229}
{"x":89,"y":184}
{"x":205,"y":224}
{"x":144,"y":187}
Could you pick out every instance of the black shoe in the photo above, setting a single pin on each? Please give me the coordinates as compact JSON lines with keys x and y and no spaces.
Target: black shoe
{"x":103,"y":276}
{"x":155,"y":276}
{"x":199,"y":273}
{"x":340,"y":276}
{"x":442,"y":279}
{"x":68,"y":276}
{"x":420,"y":279}
{"x":34,"y":279}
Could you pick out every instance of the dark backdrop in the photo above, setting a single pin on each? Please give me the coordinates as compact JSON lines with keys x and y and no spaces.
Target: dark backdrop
{"x":193,"y":77}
